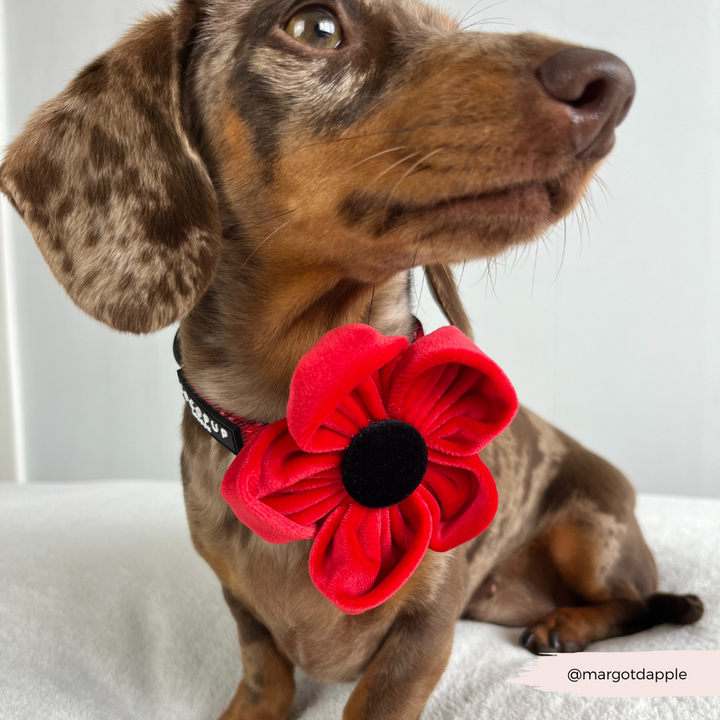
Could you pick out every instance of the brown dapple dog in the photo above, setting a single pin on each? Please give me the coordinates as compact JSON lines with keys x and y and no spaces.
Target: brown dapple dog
{"x":267,"y":171}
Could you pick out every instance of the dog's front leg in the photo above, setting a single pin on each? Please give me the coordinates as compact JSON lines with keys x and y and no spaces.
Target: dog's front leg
{"x":407,"y":667}
{"x":267,"y":687}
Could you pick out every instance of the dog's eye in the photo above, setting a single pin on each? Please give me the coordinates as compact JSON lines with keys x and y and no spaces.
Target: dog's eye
{"x":315,"y":26}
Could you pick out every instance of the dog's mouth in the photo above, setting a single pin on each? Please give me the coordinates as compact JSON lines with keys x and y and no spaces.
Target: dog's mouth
{"x":538,"y":199}
{"x":515,"y":212}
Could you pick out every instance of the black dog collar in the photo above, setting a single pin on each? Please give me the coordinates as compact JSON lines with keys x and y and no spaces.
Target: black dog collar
{"x":229,"y":430}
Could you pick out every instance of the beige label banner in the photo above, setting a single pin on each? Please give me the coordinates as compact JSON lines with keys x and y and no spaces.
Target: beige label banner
{"x":681,"y":673}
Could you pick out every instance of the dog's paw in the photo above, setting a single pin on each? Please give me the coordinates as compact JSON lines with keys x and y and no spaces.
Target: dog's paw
{"x":559,"y":632}
{"x":676,"y":609}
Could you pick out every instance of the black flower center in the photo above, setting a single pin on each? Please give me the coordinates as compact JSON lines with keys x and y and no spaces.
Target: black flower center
{"x":384,"y":464}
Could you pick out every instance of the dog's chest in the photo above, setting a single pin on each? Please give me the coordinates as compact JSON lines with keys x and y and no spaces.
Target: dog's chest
{"x":328,"y":644}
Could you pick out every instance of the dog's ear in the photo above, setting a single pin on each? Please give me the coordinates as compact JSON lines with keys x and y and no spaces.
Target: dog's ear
{"x":446,"y":294}
{"x":108,"y":181}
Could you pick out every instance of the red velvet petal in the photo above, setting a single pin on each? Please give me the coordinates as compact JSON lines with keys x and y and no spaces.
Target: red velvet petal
{"x":309,"y":501}
{"x":452,"y":392}
{"x":278,"y":491}
{"x":369,"y":398}
{"x":361,"y":557}
{"x":466,"y":498}
{"x":340,"y":362}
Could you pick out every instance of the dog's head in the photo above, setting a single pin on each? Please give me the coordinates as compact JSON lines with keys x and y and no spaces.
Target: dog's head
{"x":355,"y":137}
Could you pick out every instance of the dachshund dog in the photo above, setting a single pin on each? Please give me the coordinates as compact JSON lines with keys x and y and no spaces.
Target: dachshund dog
{"x":265,"y":172}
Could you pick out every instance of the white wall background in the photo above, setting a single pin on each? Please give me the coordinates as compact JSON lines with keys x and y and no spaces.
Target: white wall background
{"x":7,"y":453}
{"x":620,"y":347}
{"x":7,"y":435}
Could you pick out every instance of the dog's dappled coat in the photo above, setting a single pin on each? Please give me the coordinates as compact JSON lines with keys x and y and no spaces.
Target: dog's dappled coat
{"x":266,"y":172}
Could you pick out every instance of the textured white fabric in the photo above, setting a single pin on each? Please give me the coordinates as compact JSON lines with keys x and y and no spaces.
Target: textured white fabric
{"x":107,"y":613}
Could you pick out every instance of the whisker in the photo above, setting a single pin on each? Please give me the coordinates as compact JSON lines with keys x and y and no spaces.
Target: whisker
{"x":492,"y":282}
{"x":268,"y":219}
{"x":491,"y":21}
{"x":419,"y":297}
{"x":591,"y":203}
{"x":518,"y":254}
{"x":524,"y":255}
{"x":581,"y":221}
{"x":562,"y":258}
{"x":511,"y":253}
{"x":468,"y":16}
{"x":409,"y":172}
{"x":483,"y":277}
{"x":242,"y":267}
{"x":383,"y":152}
{"x":544,"y":240}
{"x":514,"y":254}
{"x":480,"y":279}
{"x":581,"y":208}
{"x":274,"y":232}
{"x":392,"y":167}
{"x":604,"y":187}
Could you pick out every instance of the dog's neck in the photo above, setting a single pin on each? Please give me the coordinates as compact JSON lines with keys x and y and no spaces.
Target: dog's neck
{"x":243,"y":342}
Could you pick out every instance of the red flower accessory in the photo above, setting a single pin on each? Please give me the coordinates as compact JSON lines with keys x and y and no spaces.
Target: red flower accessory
{"x":377,"y":460}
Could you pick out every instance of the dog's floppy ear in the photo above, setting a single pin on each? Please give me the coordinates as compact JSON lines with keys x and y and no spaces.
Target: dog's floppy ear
{"x":107,"y":180}
{"x":446,"y":294}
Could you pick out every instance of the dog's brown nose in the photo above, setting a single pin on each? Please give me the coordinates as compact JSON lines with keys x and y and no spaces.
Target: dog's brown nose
{"x":597,"y":89}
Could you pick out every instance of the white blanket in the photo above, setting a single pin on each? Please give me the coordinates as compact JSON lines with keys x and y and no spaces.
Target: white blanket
{"x":107,"y":613}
